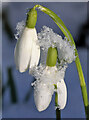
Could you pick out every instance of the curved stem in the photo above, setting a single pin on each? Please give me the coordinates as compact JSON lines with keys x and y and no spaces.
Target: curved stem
{"x":58,"y":21}
{"x":66,"y":32}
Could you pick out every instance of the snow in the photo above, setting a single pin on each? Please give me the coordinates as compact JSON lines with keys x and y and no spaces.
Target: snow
{"x":47,"y":38}
{"x":19,"y":27}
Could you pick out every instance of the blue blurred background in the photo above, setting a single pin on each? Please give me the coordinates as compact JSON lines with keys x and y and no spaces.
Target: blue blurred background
{"x":18,"y":101}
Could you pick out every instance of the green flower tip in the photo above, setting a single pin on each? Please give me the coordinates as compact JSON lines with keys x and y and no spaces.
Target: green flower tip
{"x":51,"y":57}
{"x":31,"y":18}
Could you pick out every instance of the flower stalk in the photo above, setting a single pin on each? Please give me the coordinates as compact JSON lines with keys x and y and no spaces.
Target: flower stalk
{"x":58,"y":112}
{"x":66,"y":32}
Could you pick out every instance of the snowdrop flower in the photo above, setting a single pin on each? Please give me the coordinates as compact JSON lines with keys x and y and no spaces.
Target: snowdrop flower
{"x":46,"y":78}
{"x":50,"y":74}
{"x":27,"y":52}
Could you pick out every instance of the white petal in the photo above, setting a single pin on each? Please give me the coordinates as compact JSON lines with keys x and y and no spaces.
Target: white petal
{"x":42,"y":96}
{"x":62,"y":94}
{"x":23,"y":49}
{"x":35,"y":55}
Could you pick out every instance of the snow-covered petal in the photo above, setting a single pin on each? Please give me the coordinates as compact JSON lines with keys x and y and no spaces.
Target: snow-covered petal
{"x":49,"y":75}
{"x":42,"y":96}
{"x":62,"y":94}
{"x":23,"y":49}
{"x":44,"y":88}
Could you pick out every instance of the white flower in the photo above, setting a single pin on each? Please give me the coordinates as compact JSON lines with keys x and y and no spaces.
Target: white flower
{"x":27,"y":52}
{"x":44,"y":86}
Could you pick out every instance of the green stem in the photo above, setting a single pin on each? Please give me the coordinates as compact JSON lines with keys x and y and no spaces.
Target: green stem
{"x":58,"y":112}
{"x":66,"y":32}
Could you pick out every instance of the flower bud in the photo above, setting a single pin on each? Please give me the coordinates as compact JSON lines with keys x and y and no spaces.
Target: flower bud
{"x":31,"y":18}
{"x":51,"y":57}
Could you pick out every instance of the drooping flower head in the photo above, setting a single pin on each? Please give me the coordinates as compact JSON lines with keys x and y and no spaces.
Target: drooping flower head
{"x":27,"y":52}
{"x":46,"y":78}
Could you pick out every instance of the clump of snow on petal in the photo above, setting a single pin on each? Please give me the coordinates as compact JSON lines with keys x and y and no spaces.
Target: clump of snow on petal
{"x":66,"y":52}
{"x":48,"y":75}
{"x":37,"y":71}
{"x":19,"y":28}
{"x":43,"y":57}
{"x":47,"y":38}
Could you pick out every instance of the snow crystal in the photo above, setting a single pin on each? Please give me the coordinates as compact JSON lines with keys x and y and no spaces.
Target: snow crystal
{"x":20,"y":27}
{"x":47,"y":38}
{"x":43,"y":57}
